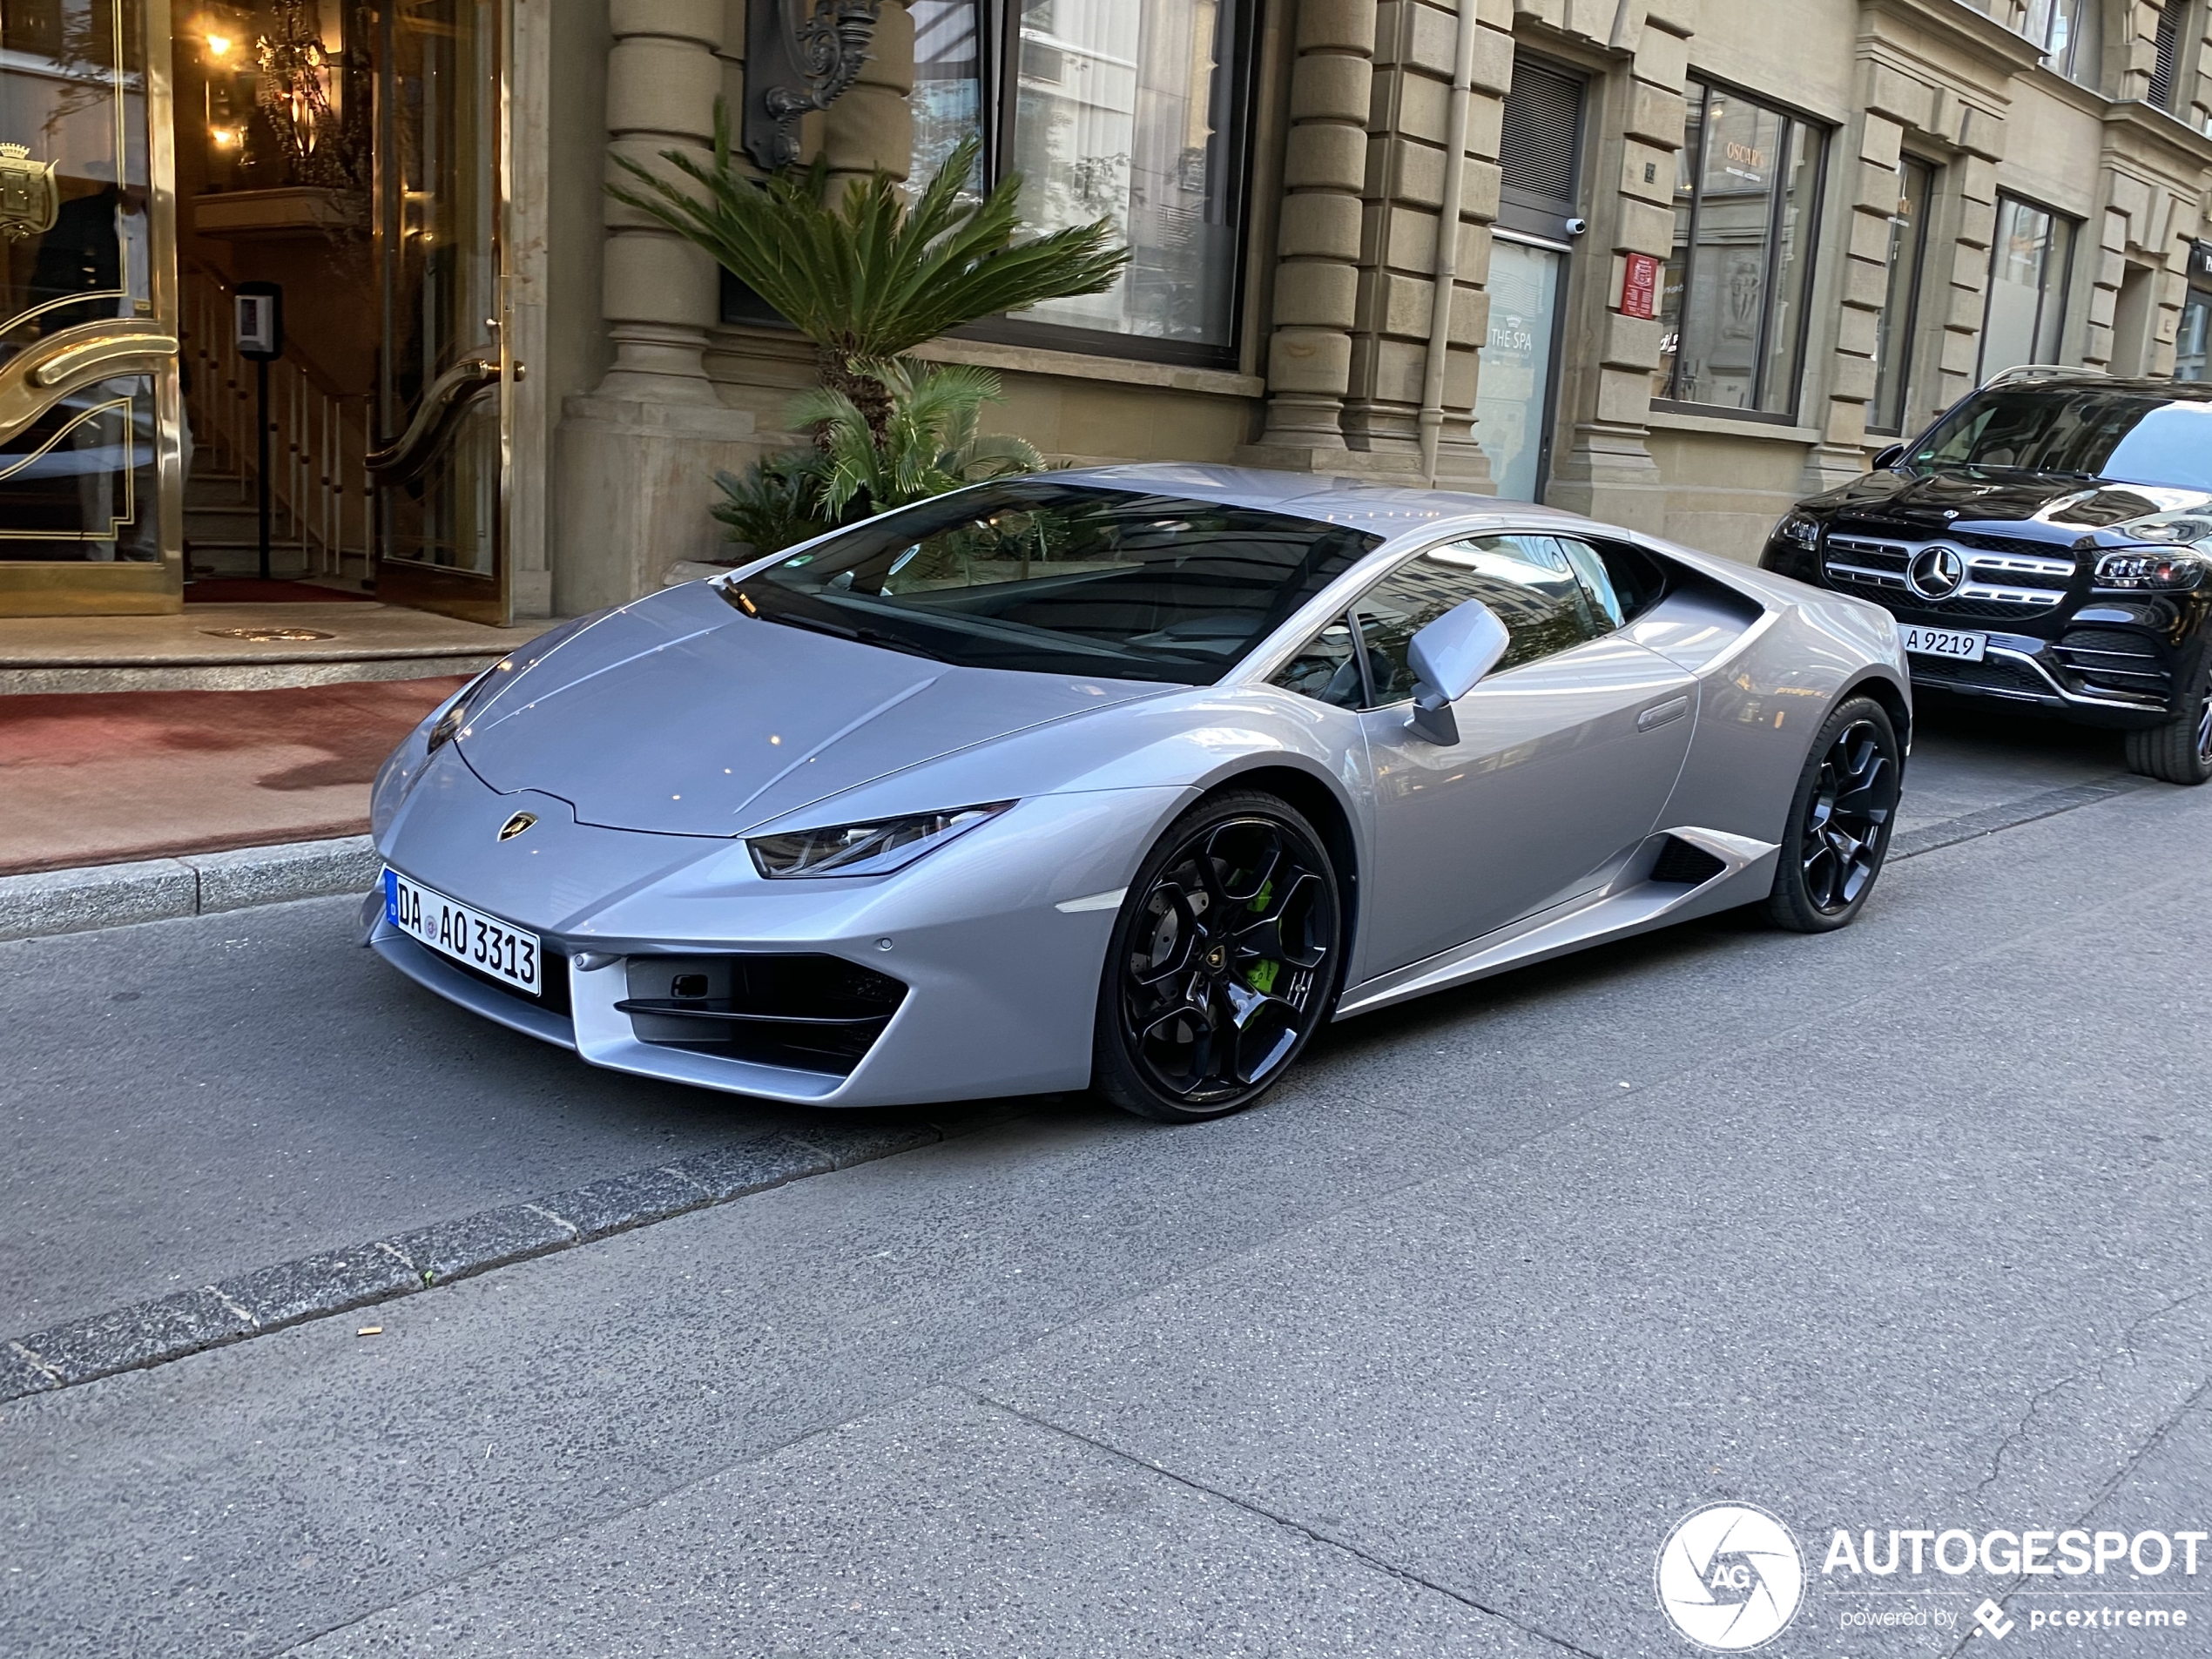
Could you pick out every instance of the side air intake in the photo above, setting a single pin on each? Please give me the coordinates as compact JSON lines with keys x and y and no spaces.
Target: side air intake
{"x":1682,"y":864}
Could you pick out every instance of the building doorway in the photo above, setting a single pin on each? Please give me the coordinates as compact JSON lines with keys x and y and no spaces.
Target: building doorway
{"x":160,"y":157}
{"x":1516,"y":395}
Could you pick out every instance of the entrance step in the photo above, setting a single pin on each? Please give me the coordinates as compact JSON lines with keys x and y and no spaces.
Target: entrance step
{"x":202,"y":650}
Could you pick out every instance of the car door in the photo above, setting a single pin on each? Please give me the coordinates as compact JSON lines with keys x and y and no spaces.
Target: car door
{"x":1567,"y":749}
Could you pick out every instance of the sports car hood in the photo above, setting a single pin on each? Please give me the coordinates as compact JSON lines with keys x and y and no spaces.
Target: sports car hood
{"x":678,"y":714}
{"x":2047,"y":507}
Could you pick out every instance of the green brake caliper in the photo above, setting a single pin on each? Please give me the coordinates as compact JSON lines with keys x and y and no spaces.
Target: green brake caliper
{"x":1261,"y":975}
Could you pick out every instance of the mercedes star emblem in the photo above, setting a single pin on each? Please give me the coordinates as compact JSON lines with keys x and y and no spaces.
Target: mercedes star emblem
{"x":1936,"y":572}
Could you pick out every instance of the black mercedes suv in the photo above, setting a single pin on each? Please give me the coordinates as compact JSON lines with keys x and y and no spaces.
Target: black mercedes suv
{"x":2048,"y":541}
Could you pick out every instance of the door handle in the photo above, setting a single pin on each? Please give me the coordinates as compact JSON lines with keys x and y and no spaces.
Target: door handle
{"x":1660,"y":713}
{"x":44,"y":372}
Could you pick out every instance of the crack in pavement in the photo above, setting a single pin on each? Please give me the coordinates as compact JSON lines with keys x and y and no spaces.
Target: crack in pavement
{"x":1404,"y":1575}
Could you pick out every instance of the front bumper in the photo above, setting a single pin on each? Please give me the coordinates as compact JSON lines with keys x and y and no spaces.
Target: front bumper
{"x":1001,"y":984}
{"x":2021,"y":669}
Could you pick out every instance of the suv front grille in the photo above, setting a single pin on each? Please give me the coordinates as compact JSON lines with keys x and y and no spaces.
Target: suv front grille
{"x":2111,"y":659}
{"x":806,"y":1013}
{"x":2006,"y":580}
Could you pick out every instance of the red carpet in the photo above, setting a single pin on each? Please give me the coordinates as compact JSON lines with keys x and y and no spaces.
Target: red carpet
{"x":252,"y":590}
{"x":104,"y":777}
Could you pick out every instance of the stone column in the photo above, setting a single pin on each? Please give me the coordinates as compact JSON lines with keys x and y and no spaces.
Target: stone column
{"x":659,"y":295}
{"x":1416,"y":44}
{"x":637,"y":456}
{"x":872,"y":125}
{"x":1316,"y":276}
{"x":1871,"y":189}
{"x":1608,"y":471}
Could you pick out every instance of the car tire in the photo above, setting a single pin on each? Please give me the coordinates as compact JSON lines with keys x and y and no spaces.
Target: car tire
{"x":2179,"y":752}
{"x":1226,"y":956}
{"x":1841,"y":816}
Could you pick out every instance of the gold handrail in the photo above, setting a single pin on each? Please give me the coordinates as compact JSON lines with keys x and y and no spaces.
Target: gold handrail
{"x":48,"y":370}
{"x":401,"y":459}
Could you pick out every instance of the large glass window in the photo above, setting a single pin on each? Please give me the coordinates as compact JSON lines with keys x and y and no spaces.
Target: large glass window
{"x":2070,"y":35}
{"x":2026,"y":317}
{"x":1894,"y":331}
{"x":1747,"y":196}
{"x":2192,"y":339}
{"x":1129,"y":110}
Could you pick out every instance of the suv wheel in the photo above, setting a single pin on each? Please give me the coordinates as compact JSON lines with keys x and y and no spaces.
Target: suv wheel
{"x":2180,"y":752}
{"x":1225,"y":958}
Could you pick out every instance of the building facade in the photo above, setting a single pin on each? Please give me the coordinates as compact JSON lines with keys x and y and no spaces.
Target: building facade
{"x":1672,"y":263}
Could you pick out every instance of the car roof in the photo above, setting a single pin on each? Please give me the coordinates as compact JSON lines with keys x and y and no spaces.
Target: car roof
{"x":1382,"y":509}
{"x":2090,"y":381}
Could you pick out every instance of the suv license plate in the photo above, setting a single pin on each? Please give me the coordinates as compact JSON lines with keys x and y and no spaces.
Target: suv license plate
{"x":1946,"y":642}
{"x":486,"y":943}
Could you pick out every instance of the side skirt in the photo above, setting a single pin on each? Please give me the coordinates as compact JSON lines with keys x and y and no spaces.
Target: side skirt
{"x":1631,"y":903}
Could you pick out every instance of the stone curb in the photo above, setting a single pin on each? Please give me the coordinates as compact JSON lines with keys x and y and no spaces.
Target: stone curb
{"x":194,"y":884}
{"x":335,"y":1281}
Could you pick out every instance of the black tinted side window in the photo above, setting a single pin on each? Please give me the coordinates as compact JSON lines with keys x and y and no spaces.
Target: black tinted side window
{"x":1325,"y":670}
{"x":1526,"y":580}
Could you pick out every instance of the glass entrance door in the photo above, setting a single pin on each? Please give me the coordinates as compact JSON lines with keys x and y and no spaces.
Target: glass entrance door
{"x":1514,"y":396}
{"x":91,"y":438}
{"x":439,"y":466}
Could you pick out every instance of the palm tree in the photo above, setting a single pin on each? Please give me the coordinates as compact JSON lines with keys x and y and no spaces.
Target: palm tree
{"x":874,"y":275}
{"x":928,"y":442}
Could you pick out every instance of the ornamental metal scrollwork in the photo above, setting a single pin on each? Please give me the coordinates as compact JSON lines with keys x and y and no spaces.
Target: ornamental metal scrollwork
{"x":30,"y":199}
{"x":796,"y":62}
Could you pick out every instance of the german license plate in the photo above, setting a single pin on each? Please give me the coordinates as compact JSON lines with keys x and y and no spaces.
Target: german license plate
{"x":486,"y":943}
{"x":1946,"y":642}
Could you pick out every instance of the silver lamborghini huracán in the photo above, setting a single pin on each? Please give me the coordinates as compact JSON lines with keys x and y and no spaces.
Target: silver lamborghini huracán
{"x":1127,"y":778}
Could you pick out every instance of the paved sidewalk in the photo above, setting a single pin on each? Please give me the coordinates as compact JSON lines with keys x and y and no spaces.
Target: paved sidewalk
{"x":105,"y":777}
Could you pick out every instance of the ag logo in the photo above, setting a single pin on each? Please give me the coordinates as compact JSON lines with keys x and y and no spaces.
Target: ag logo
{"x":1730,"y":1577}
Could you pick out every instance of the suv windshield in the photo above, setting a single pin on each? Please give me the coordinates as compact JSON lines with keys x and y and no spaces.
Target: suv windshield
{"x":1062,"y":579}
{"x":2131,"y":437}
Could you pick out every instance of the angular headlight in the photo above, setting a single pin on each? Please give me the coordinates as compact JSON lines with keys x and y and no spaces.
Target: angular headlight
{"x":876,"y":848}
{"x":1799,"y":529}
{"x":2137,"y":569}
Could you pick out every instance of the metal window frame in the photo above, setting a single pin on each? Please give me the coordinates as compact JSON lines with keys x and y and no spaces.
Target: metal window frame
{"x":1791,"y":116}
{"x":1911,"y":318}
{"x":998,"y":75}
{"x":2043,"y":284}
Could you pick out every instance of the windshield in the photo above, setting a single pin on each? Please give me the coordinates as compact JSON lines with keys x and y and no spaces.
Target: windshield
{"x":1062,"y":579}
{"x":2130,"y":437}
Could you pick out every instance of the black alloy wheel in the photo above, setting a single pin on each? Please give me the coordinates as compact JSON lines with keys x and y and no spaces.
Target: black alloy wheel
{"x":1224,"y":960}
{"x":1840,"y":820}
{"x":2180,"y":751}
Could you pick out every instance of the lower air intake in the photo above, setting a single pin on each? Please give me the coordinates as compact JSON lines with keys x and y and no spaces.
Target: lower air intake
{"x":810,"y":1013}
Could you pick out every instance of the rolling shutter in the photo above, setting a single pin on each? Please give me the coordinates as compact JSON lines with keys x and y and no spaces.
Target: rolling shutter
{"x":1539,"y":150}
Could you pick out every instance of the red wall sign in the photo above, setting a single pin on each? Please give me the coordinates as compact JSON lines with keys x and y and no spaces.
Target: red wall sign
{"x":1640,"y":286}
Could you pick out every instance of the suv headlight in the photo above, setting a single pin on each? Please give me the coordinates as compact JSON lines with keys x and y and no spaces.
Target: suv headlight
{"x":1799,"y":529}
{"x":2139,"y":568}
{"x":874,"y":848}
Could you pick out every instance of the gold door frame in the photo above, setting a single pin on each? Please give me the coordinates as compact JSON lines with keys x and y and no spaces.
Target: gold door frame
{"x":34,"y":380}
{"x":401,"y":455}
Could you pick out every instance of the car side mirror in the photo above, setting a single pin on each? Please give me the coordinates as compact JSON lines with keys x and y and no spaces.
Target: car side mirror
{"x":1885,"y":459}
{"x":1447,"y":657}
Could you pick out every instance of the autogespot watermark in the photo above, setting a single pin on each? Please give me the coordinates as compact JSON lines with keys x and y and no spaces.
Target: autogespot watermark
{"x":1730,"y":1577}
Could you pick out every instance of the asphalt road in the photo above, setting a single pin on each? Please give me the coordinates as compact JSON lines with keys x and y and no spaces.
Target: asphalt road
{"x":1900,"y":1228}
